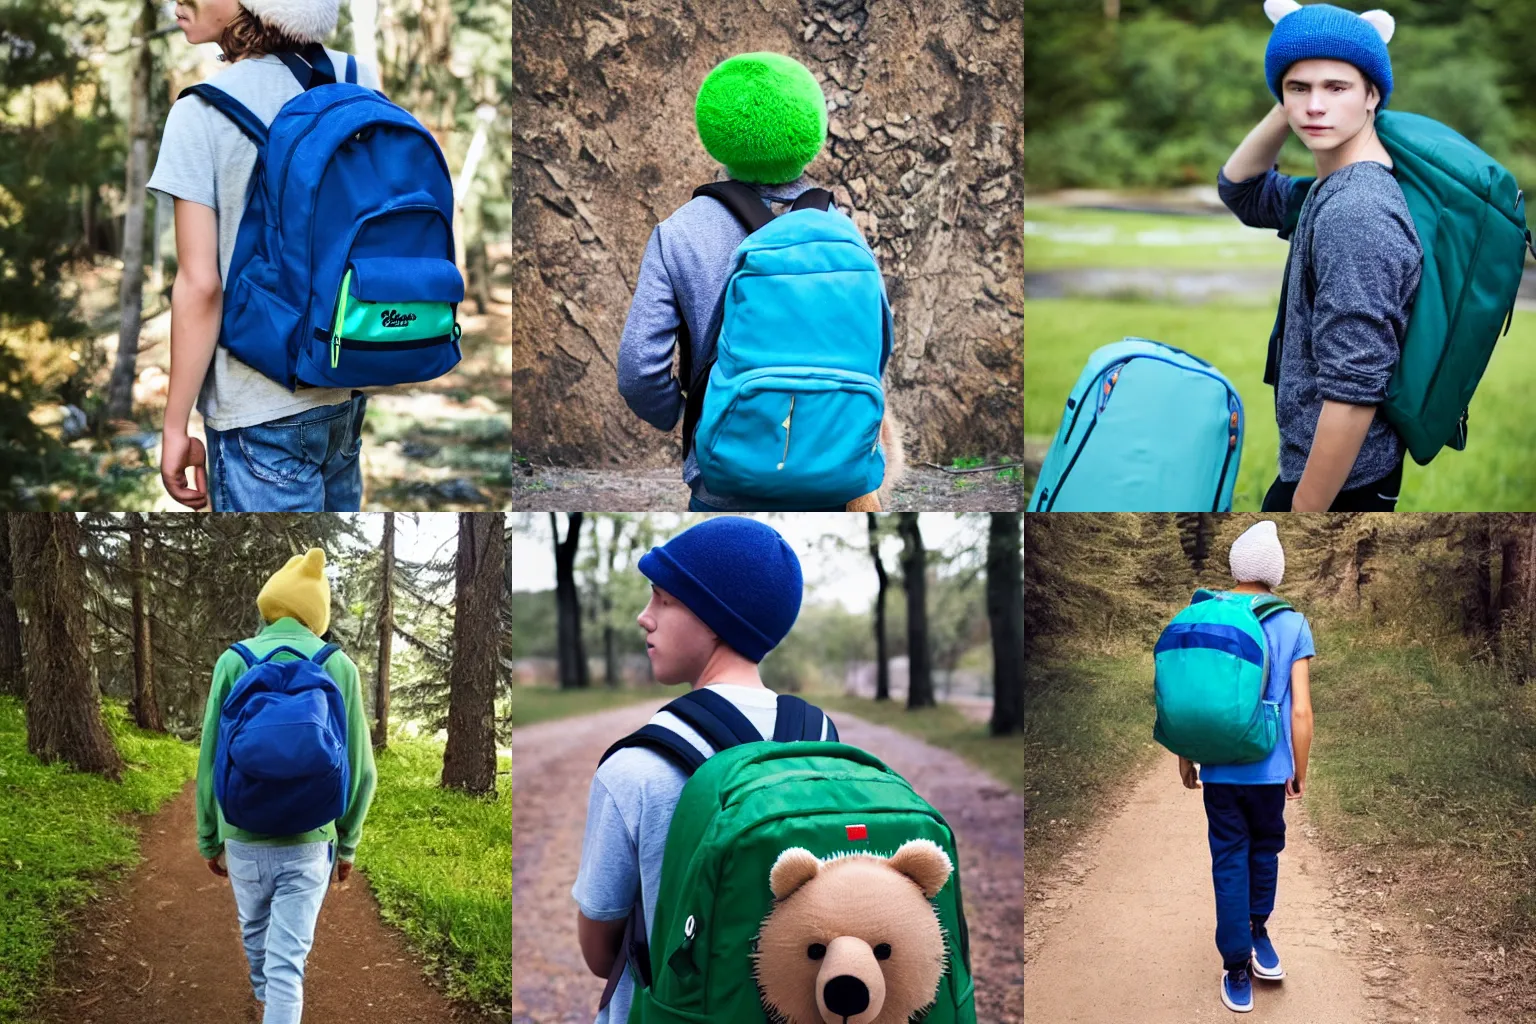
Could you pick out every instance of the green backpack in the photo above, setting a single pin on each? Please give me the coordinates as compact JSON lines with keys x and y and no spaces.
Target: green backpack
{"x":1470,"y":218}
{"x":1211,"y":670}
{"x":740,"y":809}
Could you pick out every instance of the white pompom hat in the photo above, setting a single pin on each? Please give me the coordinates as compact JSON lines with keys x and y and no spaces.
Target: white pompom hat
{"x":1257,"y":555}
{"x":308,"y":21}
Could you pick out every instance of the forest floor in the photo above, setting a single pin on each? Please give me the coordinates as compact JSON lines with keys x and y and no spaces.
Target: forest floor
{"x":163,"y":947}
{"x":554,"y":764}
{"x":439,"y":445}
{"x":1124,"y":928}
{"x":553,"y":488}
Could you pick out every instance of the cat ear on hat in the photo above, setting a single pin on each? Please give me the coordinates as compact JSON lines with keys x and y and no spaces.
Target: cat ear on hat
{"x":1277,"y":9}
{"x":1382,"y":22}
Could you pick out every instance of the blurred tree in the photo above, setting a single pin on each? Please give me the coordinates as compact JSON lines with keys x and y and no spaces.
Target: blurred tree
{"x":1005,"y":614}
{"x":914,"y":567}
{"x":386,"y":635}
{"x":469,"y":757}
{"x":882,"y":656}
{"x":12,"y":680}
{"x":144,"y":707}
{"x":573,"y":656}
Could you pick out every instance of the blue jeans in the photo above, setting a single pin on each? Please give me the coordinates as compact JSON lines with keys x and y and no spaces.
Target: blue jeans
{"x":278,"y":891}
{"x":307,"y":462}
{"x":1247,"y":833}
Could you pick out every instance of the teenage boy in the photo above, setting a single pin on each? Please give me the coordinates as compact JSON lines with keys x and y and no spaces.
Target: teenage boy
{"x":723,"y":594}
{"x":1245,"y":803}
{"x":1354,"y":263}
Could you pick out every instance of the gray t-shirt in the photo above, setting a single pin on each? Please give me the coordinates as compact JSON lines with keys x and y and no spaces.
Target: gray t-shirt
{"x":628,"y":813}
{"x":1354,"y":268}
{"x":205,"y":159}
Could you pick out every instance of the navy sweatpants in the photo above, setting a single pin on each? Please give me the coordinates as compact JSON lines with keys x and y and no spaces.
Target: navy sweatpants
{"x":1247,"y":832}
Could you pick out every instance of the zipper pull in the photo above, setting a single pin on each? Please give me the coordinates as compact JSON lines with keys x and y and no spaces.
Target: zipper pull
{"x":785,"y":425}
{"x":335,"y":350}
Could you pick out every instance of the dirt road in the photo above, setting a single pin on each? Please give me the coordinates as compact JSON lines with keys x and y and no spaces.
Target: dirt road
{"x":1126,"y":932}
{"x":554,"y":764}
{"x":164,"y":948}
{"x":557,"y":489}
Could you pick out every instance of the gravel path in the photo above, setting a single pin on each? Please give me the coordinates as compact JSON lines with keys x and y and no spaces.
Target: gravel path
{"x":554,"y":762}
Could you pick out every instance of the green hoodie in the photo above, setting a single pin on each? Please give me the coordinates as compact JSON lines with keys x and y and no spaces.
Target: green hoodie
{"x":212,"y":829}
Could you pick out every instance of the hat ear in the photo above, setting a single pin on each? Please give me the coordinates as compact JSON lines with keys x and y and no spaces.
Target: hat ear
{"x":1382,"y":22}
{"x":925,"y":862}
{"x":1277,"y":9}
{"x":792,"y":869}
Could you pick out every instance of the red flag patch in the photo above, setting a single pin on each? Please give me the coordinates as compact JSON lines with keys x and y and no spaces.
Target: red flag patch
{"x":857,"y":832}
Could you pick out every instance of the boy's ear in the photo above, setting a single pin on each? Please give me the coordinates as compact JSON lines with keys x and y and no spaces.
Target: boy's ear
{"x":1382,"y":22}
{"x":793,"y":868}
{"x":1277,"y":9}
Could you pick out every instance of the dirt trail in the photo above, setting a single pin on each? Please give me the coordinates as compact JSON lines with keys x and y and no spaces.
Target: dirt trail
{"x":1126,"y":933}
{"x":558,"y":489}
{"x":555,"y":761}
{"x":164,"y":948}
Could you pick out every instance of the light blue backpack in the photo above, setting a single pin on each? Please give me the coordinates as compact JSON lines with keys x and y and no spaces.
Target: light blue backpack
{"x":1147,"y":428}
{"x":786,"y":411}
{"x":343,"y":273}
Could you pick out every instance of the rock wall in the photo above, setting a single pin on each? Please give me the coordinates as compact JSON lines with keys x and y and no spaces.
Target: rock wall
{"x":924,"y":102}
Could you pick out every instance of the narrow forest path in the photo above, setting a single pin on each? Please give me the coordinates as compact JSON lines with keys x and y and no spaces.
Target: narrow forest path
{"x":163,"y":947}
{"x":1126,"y":933}
{"x":554,"y":762}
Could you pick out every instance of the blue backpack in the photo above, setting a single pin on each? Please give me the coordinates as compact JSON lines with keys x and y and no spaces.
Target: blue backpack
{"x":280,"y":767}
{"x":343,"y":273}
{"x":1147,"y":428}
{"x":786,"y":410}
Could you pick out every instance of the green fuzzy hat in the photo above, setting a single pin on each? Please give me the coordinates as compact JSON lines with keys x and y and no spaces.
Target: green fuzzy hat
{"x":762,"y":115}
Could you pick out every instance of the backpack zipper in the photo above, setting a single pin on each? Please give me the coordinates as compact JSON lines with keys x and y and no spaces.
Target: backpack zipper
{"x":785,"y":425}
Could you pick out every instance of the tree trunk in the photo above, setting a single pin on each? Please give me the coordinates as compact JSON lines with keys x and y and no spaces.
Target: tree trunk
{"x":131,"y":289}
{"x":572,"y":656}
{"x":922,"y":152}
{"x":386,"y":636}
{"x":1005,"y":614}
{"x":882,"y":654}
{"x":610,"y":635}
{"x":365,"y":20}
{"x":914,"y":567}
{"x":1510,"y":572}
{"x":12,"y":682}
{"x":146,"y":708}
{"x":63,"y":710}
{"x":1530,"y":596}
{"x":469,"y":759}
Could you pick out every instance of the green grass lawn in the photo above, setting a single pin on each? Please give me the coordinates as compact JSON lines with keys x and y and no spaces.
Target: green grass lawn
{"x":1002,"y":757}
{"x":1058,"y":238}
{"x":531,"y":704}
{"x":61,"y":833}
{"x":440,"y":863}
{"x":1493,"y":474}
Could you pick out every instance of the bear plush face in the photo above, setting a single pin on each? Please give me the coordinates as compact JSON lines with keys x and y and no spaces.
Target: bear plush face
{"x":853,"y":939}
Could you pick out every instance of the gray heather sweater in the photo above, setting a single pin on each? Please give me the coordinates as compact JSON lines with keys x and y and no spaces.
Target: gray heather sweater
{"x":1354,"y":267}
{"x":682,"y":275}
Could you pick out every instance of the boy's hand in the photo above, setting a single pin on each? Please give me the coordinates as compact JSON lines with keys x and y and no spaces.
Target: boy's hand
{"x":178,"y":453}
{"x":1294,"y":787}
{"x":343,"y":869}
{"x":216,"y":867}
{"x":1189,"y":773}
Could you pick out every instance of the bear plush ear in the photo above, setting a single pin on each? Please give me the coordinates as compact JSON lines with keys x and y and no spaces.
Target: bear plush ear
{"x":925,"y":862}
{"x":1382,"y":22}
{"x":793,"y":868}
{"x":1277,"y":9}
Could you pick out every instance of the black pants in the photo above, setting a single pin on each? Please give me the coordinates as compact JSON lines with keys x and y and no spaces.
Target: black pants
{"x":1380,"y":496}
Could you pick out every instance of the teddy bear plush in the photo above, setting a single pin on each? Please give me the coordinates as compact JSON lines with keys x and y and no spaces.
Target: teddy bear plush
{"x":852,"y":939}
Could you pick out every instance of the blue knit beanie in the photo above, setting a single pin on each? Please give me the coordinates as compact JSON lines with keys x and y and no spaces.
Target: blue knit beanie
{"x":1323,"y":31}
{"x":739,"y":576}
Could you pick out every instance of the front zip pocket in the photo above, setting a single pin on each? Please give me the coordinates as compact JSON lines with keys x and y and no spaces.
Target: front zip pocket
{"x":796,"y":436}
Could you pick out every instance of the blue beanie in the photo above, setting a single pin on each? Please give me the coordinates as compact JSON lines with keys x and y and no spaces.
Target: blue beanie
{"x":1323,"y":31}
{"x":739,"y":576}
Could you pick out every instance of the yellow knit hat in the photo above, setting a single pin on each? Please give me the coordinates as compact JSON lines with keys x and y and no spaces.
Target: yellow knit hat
{"x":301,"y":590}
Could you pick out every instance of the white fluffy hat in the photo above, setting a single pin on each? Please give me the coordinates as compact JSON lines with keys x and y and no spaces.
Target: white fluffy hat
{"x":1257,"y":555}
{"x":308,"y":21}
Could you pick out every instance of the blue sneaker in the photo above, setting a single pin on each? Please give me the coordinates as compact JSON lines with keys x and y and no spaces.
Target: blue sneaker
{"x":1266,"y":962}
{"x":1237,"y":990}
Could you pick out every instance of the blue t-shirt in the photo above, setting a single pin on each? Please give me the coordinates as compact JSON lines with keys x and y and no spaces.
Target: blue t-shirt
{"x":1290,"y":640}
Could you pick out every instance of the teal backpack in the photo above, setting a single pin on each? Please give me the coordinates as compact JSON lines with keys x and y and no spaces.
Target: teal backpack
{"x":786,"y":411}
{"x":740,"y":809}
{"x":1470,"y":218}
{"x":1211,"y":667}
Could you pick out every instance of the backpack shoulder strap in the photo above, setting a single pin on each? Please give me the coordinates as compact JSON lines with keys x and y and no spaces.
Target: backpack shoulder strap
{"x":664,"y":742}
{"x":716,"y":719}
{"x":231,"y":108}
{"x":798,"y":720}
{"x":813,"y":199}
{"x":1265,"y":605}
{"x":274,"y":652}
{"x":742,"y":200}
{"x":245,"y":654}
{"x":351,"y":70}
{"x":311,"y":66}
{"x":320,"y":656}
